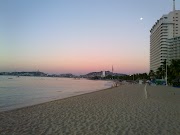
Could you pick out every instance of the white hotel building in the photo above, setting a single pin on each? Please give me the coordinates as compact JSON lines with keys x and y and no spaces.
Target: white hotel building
{"x":165,"y":39}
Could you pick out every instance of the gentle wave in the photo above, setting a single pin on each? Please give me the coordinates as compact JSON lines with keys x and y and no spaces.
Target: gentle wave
{"x":19,"y":92}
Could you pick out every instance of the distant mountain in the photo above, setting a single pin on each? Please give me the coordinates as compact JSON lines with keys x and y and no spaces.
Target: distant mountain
{"x":68,"y":75}
{"x":36,"y":73}
{"x":99,"y":74}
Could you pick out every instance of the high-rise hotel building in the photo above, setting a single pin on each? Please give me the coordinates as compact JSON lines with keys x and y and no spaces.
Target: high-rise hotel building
{"x":165,"y":39}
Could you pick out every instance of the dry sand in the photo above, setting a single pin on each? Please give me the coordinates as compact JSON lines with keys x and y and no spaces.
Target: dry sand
{"x":122,"y":110}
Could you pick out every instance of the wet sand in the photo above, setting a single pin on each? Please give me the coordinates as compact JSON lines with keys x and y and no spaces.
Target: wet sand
{"x":122,"y":110}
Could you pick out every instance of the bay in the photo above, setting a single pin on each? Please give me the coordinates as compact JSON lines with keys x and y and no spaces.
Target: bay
{"x":17,"y":92}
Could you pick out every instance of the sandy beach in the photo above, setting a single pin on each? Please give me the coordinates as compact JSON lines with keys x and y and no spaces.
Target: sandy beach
{"x":122,"y":110}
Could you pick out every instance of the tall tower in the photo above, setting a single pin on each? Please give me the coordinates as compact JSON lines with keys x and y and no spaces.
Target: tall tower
{"x":112,"y":69}
{"x":174,"y":5}
{"x":164,"y":39}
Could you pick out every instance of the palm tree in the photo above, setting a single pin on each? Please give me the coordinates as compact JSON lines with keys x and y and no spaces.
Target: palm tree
{"x":175,"y":68}
{"x":152,"y":74}
{"x":160,"y":73}
{"x":174,"y":71}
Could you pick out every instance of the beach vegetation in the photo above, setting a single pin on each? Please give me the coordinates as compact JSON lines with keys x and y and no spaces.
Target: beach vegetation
{"x":173,"y":72}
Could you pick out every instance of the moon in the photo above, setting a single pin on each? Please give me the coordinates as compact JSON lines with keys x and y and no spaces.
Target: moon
{"x":141,"y":18}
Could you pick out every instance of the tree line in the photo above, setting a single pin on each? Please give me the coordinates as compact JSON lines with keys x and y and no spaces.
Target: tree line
{"x":173,"y":72}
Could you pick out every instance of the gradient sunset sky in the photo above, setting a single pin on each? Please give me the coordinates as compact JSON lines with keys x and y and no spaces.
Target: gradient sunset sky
{"x":78,"y":36}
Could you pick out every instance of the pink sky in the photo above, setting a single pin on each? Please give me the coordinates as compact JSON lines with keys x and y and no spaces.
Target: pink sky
{"x":78,"y":37}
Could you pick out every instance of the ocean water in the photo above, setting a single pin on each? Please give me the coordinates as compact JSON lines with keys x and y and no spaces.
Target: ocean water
{"x":17,"y":92}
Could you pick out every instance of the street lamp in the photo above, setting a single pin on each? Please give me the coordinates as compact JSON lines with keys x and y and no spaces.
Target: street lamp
{"x":166,"y":73}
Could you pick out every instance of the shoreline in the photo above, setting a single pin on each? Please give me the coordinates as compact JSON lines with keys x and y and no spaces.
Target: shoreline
{"x":40,"y":90}
{"x":55,"y":100}
{"x":118,"y":110}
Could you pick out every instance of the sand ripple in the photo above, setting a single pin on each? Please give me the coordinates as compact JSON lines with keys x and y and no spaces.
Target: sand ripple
{"x":119,"y":111}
